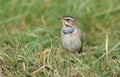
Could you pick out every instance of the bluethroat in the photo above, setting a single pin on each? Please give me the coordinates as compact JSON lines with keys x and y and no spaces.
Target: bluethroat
{"x":71,"y":35}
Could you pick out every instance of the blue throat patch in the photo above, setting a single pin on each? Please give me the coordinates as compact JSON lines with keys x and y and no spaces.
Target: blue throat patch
{"x":68,"y":30}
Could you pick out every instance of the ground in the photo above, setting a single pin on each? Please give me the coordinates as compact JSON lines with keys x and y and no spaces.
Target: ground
{"x":30,"y":43}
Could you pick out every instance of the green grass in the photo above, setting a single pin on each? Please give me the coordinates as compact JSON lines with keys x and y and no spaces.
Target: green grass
{"x":29,"y":27}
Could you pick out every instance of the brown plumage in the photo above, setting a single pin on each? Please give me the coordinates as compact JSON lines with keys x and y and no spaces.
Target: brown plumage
{"x":71,"y":35}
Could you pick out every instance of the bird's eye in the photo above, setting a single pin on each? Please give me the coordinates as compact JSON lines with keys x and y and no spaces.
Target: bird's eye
{"x":67,"y":19}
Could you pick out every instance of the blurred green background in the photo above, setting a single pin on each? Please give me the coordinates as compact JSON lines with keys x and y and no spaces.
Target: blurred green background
{"x":28,"y":27}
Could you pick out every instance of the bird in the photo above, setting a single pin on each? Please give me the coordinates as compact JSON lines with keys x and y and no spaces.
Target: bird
{"x":71,"y":35}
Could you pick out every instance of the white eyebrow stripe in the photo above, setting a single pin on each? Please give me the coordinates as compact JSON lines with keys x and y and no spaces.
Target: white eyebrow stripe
{"x":69,"y":18}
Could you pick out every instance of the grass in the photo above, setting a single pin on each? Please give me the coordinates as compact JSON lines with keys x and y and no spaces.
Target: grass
{"x":30,"y":38}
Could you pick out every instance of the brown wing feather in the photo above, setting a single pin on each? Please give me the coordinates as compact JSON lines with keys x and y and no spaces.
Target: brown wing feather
{"x":81,"y":48}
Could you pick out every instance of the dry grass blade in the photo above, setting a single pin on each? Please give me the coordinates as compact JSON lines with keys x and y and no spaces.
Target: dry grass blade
{"x":106,"y":46}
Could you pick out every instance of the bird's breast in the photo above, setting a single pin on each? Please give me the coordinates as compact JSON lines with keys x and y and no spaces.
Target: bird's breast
{"x":71,"y":42}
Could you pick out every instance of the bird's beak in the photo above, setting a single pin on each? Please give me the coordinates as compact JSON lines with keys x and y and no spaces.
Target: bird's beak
{"x":58,"y":18}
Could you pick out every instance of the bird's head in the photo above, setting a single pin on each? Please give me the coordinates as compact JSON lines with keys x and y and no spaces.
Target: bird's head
{"x":67,"y":21}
